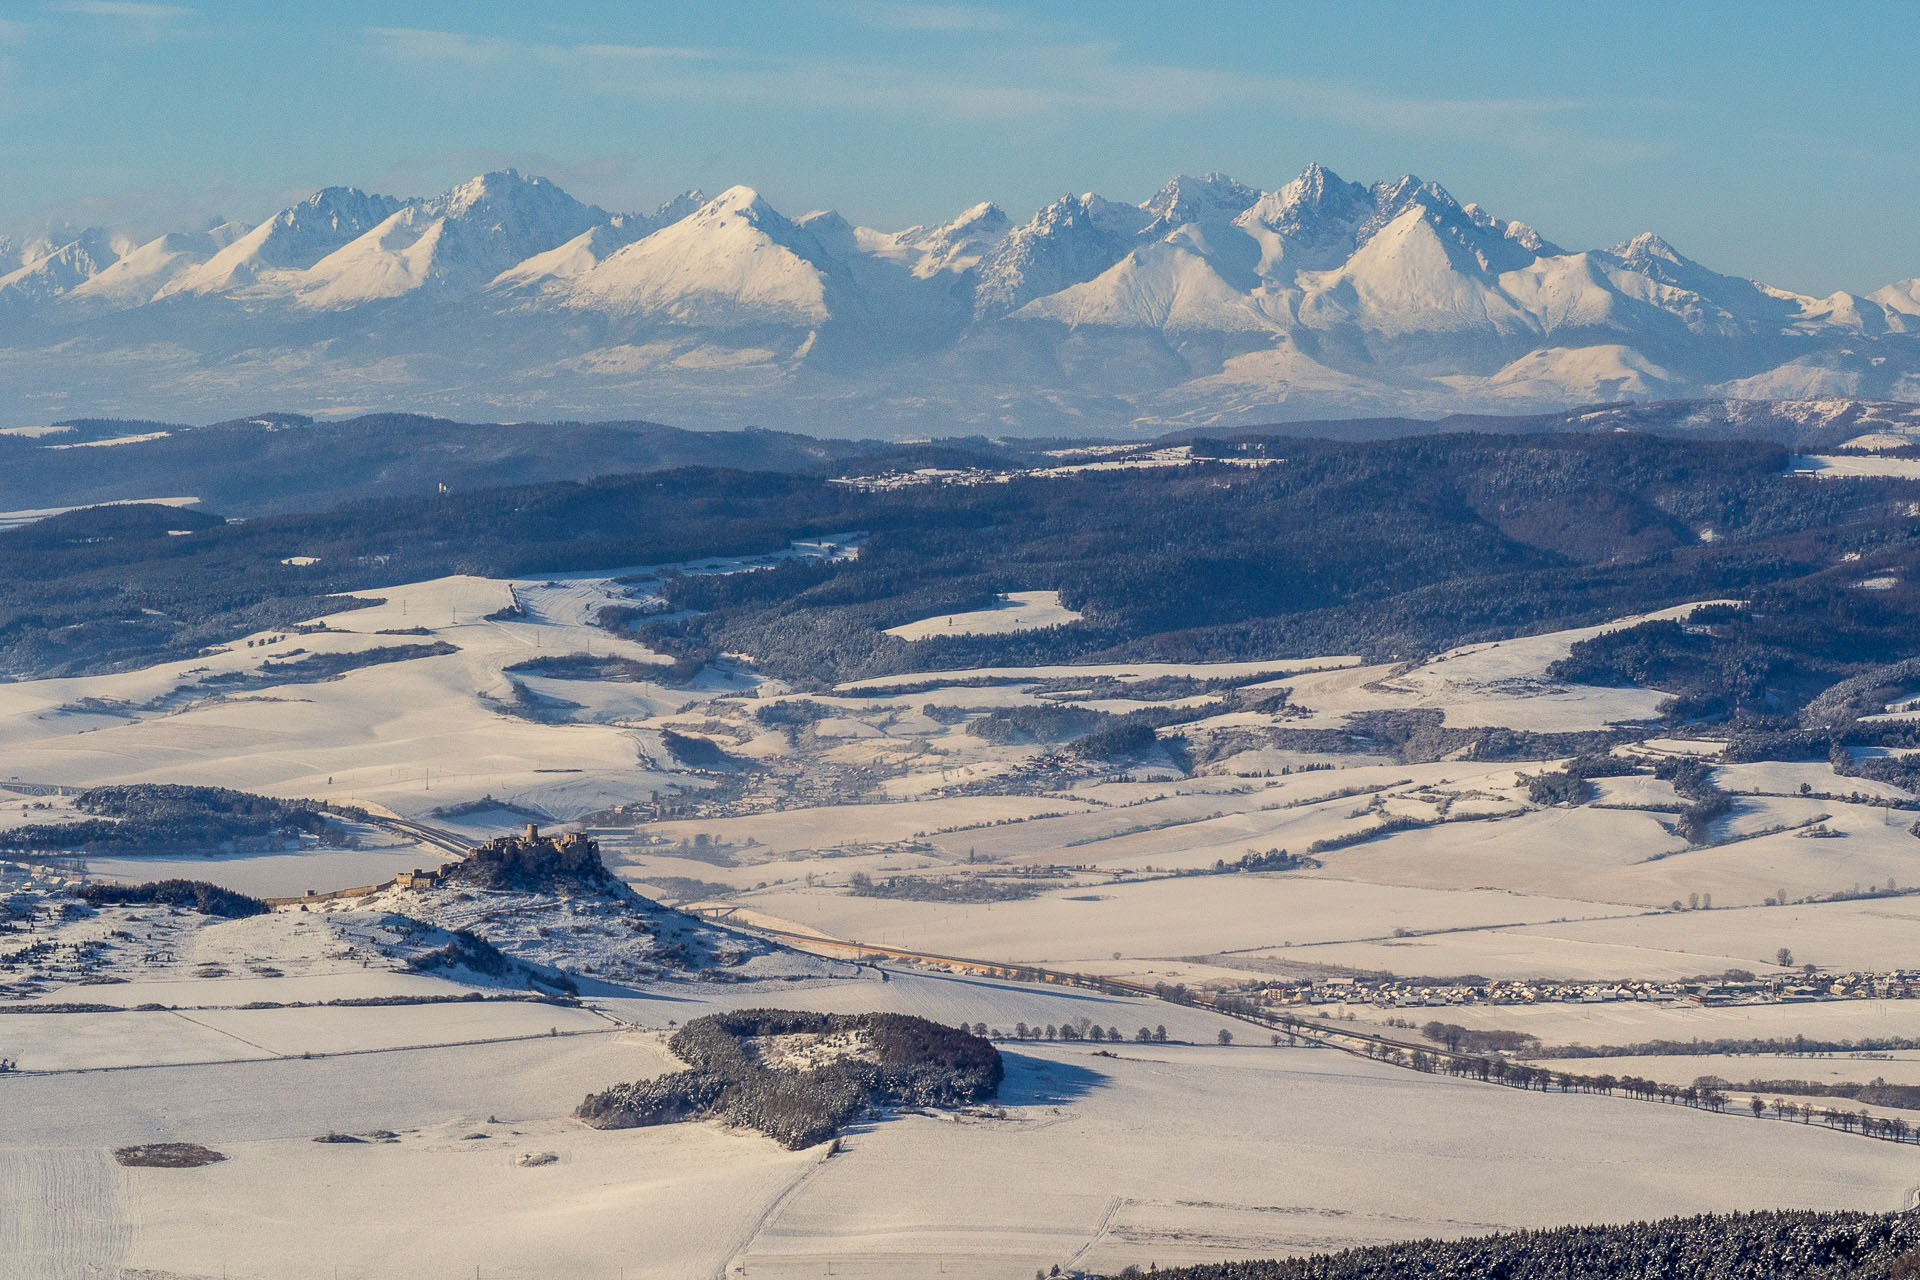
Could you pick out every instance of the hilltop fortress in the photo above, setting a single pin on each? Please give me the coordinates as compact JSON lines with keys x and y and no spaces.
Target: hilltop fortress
{"x":531,"y":862}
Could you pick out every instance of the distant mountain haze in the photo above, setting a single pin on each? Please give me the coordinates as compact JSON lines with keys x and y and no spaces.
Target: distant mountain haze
{"x":1211,"y":303}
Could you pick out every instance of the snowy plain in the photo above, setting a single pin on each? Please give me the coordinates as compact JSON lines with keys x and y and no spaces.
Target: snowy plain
{"x":1184,"y":1152}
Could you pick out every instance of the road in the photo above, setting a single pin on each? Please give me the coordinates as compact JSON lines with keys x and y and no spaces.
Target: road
{"x":445,"y":841}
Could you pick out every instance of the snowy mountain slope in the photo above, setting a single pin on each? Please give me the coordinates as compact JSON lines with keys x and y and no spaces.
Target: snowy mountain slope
{"x":1411,"y":277}
{"x":150,"y":269}
{"x":1900,"y":304}
{"x":1071,"y":240}
{"x":459,"y":240}
{"x":734,"y":262}
{"x":1310,"y":224}
{"x":546,"y":272}
{"x":953,"y":247}
{"x":1214,"y":198}
{"x":1596,"y":374}
{"x":1167,"y":285}
{"x":291,"y":240}
{"x":49,"y":275}
{"x":1209,"y":301}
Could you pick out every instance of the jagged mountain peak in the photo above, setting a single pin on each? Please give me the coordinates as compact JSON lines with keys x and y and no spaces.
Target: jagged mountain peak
{"x":499,"y":188}
{"x":1212,"y":197}
{"x":671,"y":211}
{"x":1902,"y":297}
{"x":1071,"y":240}
{"x":1518,"y":232}
{"x":460,"y":240}
{"x":54,"y":269}
{"x":332,"y":203}
{"x":91,"y":249}
{"x":737,"y":201}
{"x":293,"y":239}
{"x":1310,"y":224}
{"x":986,"y":214}
{"x":826,"y":222}
{"x":736,"y":262}
{"x":1314,"y":181}
{"x":1647,"y":247}
{"x":1316,"y":188}
{"x":953,"y":247}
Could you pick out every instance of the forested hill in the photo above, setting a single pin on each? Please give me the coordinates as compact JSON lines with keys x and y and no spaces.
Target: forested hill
{"x":1754,"y":1246}
{"x":1386,"y":549}
{"x":278,"y":463}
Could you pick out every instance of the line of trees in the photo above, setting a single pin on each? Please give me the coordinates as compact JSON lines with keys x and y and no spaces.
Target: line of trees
{"x":1741,"y":1246}
{"x":1704,"y":1094}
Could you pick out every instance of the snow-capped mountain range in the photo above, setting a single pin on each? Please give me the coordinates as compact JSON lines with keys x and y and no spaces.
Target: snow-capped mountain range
{"x":1210,"y":302}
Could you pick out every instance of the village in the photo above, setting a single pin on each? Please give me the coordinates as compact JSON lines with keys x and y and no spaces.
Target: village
{"x":1736,"y":987}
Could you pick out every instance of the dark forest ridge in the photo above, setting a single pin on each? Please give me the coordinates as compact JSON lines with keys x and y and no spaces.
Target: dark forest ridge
{"x":276,"y":462}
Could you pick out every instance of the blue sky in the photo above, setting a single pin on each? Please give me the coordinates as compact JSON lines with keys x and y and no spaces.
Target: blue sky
{"x":1777,"y":140}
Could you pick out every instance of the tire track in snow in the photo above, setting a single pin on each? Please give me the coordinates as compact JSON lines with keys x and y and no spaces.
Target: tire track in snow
{"x":1099,"y":1232}
{"x":63,"y":1214}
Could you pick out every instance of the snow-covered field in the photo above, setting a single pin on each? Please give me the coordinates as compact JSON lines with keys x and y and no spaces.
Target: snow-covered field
{"x":1436,"y":865}
{"x":1843,"y":465}
{"x":1202,"y":1153}
{"x":1015,"y":611}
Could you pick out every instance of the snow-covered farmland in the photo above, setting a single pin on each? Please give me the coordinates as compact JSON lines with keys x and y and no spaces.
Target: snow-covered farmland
{"x":1012,"y":850}
{"x":1205,"y":1153}
{"x":1015,"y":611}
{"x":1846,"y":465}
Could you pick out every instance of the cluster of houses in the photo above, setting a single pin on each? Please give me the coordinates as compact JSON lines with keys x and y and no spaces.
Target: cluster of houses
{"x":1783,"y":988}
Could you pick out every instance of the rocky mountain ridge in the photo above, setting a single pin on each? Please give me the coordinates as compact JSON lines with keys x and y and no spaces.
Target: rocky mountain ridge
{"x":1209,"y":303}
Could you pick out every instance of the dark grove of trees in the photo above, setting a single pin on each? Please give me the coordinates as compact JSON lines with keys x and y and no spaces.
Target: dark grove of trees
{"x":1779,"y":1245}
{"x":167,"y":816}
{"x":1469,"y":1040}
{"x":908,"y":1061}
{"x":934,"y":889}
{"x":1704,"y":802}
{"x":208,"y":899}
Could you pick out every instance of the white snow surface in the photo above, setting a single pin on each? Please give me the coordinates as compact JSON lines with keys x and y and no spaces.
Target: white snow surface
{"x":1185,"y":1152}
{"x":1014,"y":611}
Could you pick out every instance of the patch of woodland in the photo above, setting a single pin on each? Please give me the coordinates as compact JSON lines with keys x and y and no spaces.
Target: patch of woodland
{"x":907,"y":1062}
{"x":524,"y":703}
{"x":597,"y":666}
{"x":195,"y":895}
{"x":314,"y":668}
{"x":1459,"y":1039}
{"x":155,"y":816}
{"x":940,"y":889}
{"x":696,"y":752}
